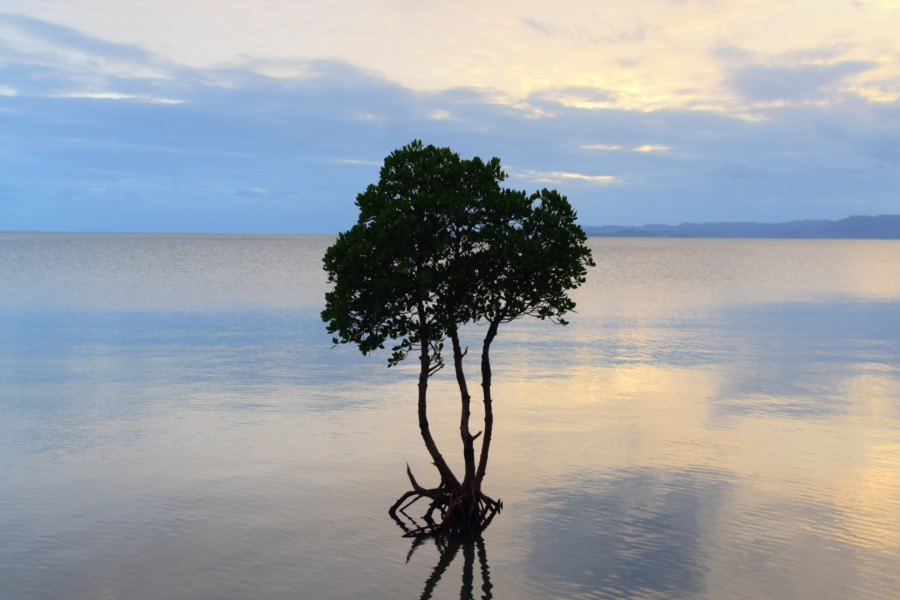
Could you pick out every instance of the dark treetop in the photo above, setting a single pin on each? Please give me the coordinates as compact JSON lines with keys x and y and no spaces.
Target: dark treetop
{"x":439,"y":243}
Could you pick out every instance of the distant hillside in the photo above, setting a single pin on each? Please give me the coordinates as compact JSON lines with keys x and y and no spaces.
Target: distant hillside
{"x":885,"y":227}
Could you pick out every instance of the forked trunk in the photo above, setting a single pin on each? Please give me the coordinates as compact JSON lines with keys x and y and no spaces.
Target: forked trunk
{"x":462,"y":508}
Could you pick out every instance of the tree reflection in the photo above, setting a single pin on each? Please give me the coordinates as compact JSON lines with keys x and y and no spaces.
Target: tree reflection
{"x":448,"y":549}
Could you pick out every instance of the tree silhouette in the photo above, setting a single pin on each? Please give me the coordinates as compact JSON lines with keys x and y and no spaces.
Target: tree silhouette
{"x":440,"y":244}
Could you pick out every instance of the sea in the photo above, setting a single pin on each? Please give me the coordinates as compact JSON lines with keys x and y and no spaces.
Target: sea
{"x":720,"y":419}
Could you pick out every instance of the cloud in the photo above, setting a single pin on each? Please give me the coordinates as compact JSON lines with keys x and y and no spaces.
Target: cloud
{"x":652,"y":148}
{"x":578,"y":32}
{"x":559,"y":176}
{"x":251,"y":192}
{"x":166,"y":143}
{"x":549,"y":100}
{"x":65,"y":38}
{"x":792,"y":83}
{"x":365,"y":163}
{"x":595,"y":534}
{"x":442,"y":115}
{"x":537,"y":26}
{"x":811,"y":74}
{"x":38,"y":58}
{"x":604,"y":147}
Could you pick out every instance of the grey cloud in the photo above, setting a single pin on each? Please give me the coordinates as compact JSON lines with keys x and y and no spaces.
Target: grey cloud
{"x":818,"y":54}
{"x":64,"y":37}
{"x":767,"y":83}
{"x":730,"y":53}
{"x":57,"y":60}
{"x":864,"y":130}
{"x":537,"y":26}
{"x":737,"y":56}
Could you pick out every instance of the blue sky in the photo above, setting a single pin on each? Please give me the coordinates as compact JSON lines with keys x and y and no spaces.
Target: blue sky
{"x":270,"y":116}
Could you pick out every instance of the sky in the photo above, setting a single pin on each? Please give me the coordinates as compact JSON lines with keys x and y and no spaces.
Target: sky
{"x":269,"y":116}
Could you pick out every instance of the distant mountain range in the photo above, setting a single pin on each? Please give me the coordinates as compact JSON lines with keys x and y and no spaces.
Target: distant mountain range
{"x":857,"y":227}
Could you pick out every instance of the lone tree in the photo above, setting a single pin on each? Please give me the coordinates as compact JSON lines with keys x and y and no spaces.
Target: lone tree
{"x":440,"y":244}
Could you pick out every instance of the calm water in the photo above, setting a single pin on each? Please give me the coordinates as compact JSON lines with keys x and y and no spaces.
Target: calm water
{"x":720,"y":420}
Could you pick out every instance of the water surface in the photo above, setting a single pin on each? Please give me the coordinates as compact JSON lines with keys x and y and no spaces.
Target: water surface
{"x":720,"y":420}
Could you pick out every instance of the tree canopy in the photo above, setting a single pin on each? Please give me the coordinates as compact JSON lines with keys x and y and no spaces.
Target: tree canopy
{"x":438,"y":244}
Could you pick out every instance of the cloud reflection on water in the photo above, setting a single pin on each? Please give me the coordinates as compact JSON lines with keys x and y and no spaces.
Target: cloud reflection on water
{"x":639,"y":533}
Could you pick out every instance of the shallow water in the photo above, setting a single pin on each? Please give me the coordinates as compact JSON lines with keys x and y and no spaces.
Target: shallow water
{"x":721,"y":419}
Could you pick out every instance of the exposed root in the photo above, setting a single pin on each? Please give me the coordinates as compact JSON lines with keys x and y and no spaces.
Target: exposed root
{"x":462,"y":512}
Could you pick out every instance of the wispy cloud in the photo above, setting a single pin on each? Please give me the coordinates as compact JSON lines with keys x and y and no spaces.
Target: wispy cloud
{"x":358,"y":162}
{"x":603,"y":147}
{"x":118,"y":96}
{"x":561,"y":176}
{"x":574,"y":97}
{"x":36,"y":31}
{"x":442,"y":115}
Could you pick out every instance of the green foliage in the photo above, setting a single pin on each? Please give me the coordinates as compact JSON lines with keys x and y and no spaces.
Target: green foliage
{"x":439,"y":243}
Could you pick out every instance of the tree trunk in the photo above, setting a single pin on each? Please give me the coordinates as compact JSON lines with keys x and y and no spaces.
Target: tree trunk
{"x":487,"y":399}
{"x":468,"y":440}
{"x":464,"y":510}
{"x":447,"y":476}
